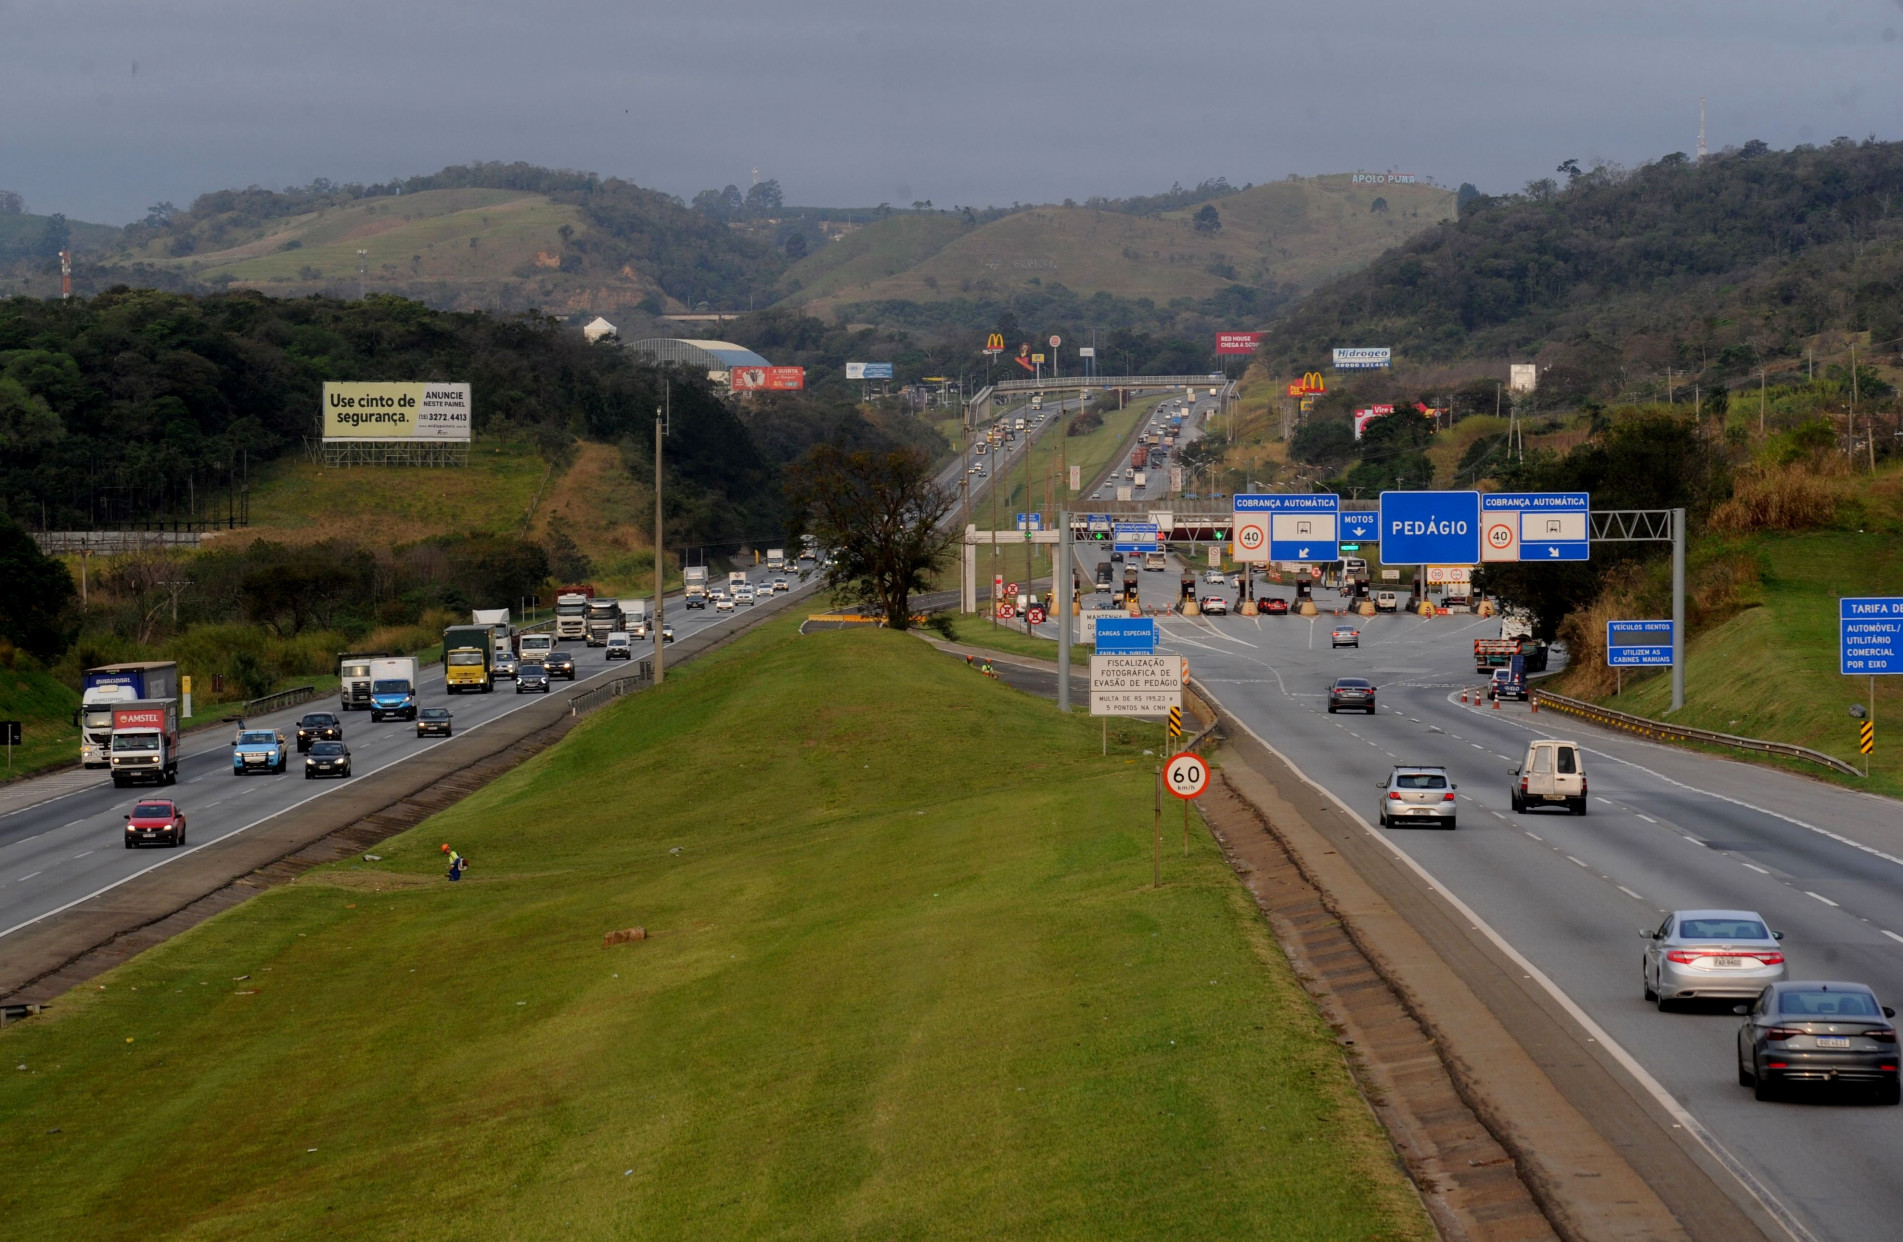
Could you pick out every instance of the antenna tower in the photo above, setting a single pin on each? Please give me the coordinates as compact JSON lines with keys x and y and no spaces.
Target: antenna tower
{"x":1701,"y":127}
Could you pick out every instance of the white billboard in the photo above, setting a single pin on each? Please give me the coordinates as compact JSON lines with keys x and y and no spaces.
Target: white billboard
{"x":1362,"y":358}
{"x":1522,"y":376}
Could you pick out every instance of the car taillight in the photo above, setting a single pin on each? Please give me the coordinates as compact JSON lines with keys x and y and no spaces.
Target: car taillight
{"x":1882,"y":1034}
{"x":1783,"y":1032}
{"x":1447,"y":797}
{"x":1522,"y":784}
{"x":1683,"y":957}
{"x":1582,"y":786}
{"x":1394,"y":794}
{"x":1768,"y":958}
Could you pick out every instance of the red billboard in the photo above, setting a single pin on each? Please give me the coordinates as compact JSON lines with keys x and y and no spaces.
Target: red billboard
{"x":1237,"y":342}
{"x":1368,"y":414}
{"x":768,"y":379}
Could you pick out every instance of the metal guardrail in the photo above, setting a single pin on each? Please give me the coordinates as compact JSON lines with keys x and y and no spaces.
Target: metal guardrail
{"x":1662,"y":732}
{"x":589,"y":700}
{"x":283,"y":698}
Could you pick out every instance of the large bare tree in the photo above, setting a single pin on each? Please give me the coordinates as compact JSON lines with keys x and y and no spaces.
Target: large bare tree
{"x":881,"y":515}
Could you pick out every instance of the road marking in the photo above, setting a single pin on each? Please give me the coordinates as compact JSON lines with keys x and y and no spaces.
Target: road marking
{"x":1628,"y":892}
{"x":1892,"y":935}
{"x":1541,"y":840}
{"x":23,"y":879}
{"x":77,"y":857}
{"x":1647,"y":818}
{"x":1571,"y":859}
{"x":1772,"y":1205}
{"x":1604,"y":801}
{"x":1827,"y":901}
{"x":76,"y":823}
{"x":1758,"y":869}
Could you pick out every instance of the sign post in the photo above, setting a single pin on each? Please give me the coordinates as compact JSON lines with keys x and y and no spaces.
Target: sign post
{"x":1870,"y":644}
{"x":1187,"y":776}
{"x":12,"y":730}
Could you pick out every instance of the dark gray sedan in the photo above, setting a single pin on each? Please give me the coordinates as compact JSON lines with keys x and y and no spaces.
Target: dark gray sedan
{"x":1351,"y":692}
{"x":327,"y":759}
{"x":560,"y":664}
{"x":1819,"y":1034}
{"x":531,"y":679}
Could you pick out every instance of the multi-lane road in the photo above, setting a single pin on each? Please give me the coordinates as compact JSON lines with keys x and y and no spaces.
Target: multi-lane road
{"x":1666,"y":829}
{"x":69,"y":848}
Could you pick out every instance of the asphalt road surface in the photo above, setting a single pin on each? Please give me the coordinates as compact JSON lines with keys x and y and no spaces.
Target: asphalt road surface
{"x":70,"y":847}
{"x":1666,"y":829}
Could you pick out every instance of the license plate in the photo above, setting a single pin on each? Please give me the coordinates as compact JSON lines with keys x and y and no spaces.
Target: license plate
{"x":1727,"y":961}
{"x":1833,"y":1041}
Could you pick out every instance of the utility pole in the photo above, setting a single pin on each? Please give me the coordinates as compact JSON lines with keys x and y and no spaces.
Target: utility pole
{"x":1678,"y":609}
{"x":1760,"y":403}
{"x":1061,"y":582}
{"x":363,"y":268}
{"x":661,"y":413}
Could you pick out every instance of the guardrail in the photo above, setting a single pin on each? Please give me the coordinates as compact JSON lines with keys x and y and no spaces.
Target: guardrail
{"x":589,"y":700}
{"x":282,"y":699}
{"x":1661,"y":732}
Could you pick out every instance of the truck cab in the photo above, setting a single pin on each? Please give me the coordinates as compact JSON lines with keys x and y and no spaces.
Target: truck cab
{"x":467,"y":669}
{"x":604,"y":616}
{"x":534,"y":648}
{"x":392,"y":696}
{"x":353,"y":679}
{"x":571,"y":616}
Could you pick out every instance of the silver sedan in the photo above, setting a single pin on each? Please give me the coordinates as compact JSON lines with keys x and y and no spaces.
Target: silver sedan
{"x":1696,"y":954}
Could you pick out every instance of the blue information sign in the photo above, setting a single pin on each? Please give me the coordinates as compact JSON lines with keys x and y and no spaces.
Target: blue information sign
{"x":1535,"y":526}
{"x":1302,"y":526}
{"x":1638,"y":644}
{"x":1030,"y":521}
{"x":1126,"y":635}
{"x":1870,"y":636}
{"x":1430,"y":528}
{"x":1360,"y":526}
{"x":1136,"y":537}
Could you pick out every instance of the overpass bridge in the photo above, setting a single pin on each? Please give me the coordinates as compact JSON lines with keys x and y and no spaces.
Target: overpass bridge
{"x":979,"y":406}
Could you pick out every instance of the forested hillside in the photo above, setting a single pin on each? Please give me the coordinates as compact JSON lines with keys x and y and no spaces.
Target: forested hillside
{"x":1613,"y":278}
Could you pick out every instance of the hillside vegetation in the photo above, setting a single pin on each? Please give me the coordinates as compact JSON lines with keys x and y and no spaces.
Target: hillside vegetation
{"x":1291,"y":234}
{"x":887,"y":1002}
{"x":1638,"y":284}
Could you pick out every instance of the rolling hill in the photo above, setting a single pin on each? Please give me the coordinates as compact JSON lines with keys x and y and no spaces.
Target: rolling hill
{"x":1293,"y":233}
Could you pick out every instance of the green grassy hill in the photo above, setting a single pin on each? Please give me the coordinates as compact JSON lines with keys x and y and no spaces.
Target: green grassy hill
{"x":869,"y":253}
{"x":44,"y":707}
{"x":891,"y":1000}
{"x":463,"y":248}
{"x":1287,"y":232}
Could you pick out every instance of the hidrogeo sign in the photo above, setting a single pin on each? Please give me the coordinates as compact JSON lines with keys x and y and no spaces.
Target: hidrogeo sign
{"x":367,"y":410}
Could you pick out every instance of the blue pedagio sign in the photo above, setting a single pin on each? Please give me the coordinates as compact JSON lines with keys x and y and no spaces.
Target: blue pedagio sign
{"x":1430,"y":528}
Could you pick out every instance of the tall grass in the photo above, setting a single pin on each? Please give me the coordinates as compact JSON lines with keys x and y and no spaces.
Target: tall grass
{"x":1785,"y":496}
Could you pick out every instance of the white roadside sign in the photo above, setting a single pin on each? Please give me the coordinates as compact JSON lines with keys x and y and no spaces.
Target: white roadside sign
{"x":1135,"y":685}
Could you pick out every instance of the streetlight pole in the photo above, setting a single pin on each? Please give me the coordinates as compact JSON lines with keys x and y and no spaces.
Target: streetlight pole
{"x":660,"y":555}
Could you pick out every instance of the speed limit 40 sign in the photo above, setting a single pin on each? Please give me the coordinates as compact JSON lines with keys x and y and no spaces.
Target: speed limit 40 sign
{"x":1186,"y":775}
{"x":1251,"y":541}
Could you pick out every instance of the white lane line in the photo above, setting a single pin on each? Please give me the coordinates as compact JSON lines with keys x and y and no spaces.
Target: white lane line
{"x":1647,"y":818}
{"x":23,"y":879}
{"x":1772,"y":1205}
{"x":77,"y":857}
{"x":1827,"y":901}
{"x":1541,"y":840}
{"x":76,"y":823}
{"x":1758,"y":869}
{"x":1604,"y":801}
{"x":1892,"y":935}
{"x":1628,"y":892}
{"x":1580,"y":862}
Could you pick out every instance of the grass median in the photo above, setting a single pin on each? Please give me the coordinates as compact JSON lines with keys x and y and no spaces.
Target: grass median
{"x":905,"y":976}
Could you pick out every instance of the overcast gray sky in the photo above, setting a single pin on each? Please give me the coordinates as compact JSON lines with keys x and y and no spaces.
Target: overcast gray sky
{"x":107,"y":106}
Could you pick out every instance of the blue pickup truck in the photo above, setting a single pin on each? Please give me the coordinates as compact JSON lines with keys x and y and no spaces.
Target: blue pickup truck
{"x":259,"y":750}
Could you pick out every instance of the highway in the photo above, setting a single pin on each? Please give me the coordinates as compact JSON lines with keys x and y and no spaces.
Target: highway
{"x":62,"y":851}
{"x":1666,"y":829}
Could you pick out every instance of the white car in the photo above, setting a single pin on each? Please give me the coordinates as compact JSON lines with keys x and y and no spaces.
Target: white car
{"x":723,"y":604}
{"x":743,"y":595}
{"x":1215,"y":577}
{"x":779,"y":585}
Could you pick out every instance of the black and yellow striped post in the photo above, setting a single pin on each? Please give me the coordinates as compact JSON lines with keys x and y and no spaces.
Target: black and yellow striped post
{"x":1176,"y":723}
{"x":1867,"y":736}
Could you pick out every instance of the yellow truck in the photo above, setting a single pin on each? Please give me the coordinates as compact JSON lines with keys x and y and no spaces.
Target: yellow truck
{"x":469,"y":659}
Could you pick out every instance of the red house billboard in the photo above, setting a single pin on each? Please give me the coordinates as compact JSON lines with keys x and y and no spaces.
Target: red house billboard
{"x":1237,"y":342}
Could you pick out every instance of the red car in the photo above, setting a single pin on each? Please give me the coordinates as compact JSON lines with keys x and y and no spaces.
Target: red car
{"x":155,"y":820}
{"x":1274,"y":606}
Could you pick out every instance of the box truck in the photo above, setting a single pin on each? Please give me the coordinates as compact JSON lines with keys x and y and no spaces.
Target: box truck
{"x":469,"y":659}
{"x":497,"y":620}
{"x":694,"y":579}
{"x":145,"y":742}
{"x":111,"y":684}
{"x":776,"y":559}
{"x":393,"y":687}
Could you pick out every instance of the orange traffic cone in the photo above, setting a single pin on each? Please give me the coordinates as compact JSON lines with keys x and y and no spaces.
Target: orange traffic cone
{"x":1496,"y":702}
{"x":1463,"y":694}
{"x":1533,"y":705}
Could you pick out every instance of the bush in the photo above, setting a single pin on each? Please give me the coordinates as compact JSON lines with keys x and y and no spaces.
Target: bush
{"x":1789,"y":496}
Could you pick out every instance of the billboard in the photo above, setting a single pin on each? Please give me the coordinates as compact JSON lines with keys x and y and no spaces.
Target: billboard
{"x":1367,"y":415}
{"x":1522,"y":377}
{"x":424,"y":410}
{"x":867,"y":370}
{"x":1237,"y":342}
{"x":1362,"y":358}
{"x":768,"y":379}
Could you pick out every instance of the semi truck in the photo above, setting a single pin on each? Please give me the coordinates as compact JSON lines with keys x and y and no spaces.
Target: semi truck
{"x":393,"y":687}
{"x":571,"y":614}
{"x":603,"y":618}
{"x":469,"y":659}
{"x":145,"y":742}
{"x":776,"y":559}
{"x":112,"y":684}
{"x":694,"y":580}
{"x":1492,"y":653}
{"x":353,"y":678}
{"x":1139,"y":457}
{"x":497,"y":620}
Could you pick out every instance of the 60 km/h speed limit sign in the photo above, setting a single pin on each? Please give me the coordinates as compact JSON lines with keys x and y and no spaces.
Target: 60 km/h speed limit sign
{"x":1186,"y":775}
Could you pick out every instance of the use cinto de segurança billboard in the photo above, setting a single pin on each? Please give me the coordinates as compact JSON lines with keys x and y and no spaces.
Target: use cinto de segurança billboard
{"x":403,"y":410}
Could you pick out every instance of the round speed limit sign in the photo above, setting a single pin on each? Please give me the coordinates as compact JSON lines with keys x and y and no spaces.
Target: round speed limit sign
{"x":1186,"y":775}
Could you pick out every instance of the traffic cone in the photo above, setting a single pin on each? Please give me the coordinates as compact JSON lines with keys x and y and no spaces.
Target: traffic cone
{"x":1532,"y":705}
{"x":1496,"y":702}
{"x":1463,"y":694}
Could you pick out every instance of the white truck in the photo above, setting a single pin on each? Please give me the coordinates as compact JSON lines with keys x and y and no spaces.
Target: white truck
{"x":393,"y":687}
{"x":776,"y":559}
{"x":112,"y":684}
{"x":497,"y":619}
{"x":145,"y":742}
{"x":1141,"y":480}
{"x":353,"y":678}
{"x":694,"y":580}
{"x":738,"y":578}
{"x":571,"y":616}
{"x":634,"y":617}
{"x":534,"y":648}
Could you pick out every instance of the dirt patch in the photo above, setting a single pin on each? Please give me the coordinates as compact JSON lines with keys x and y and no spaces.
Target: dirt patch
{"x":600,"y":504}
